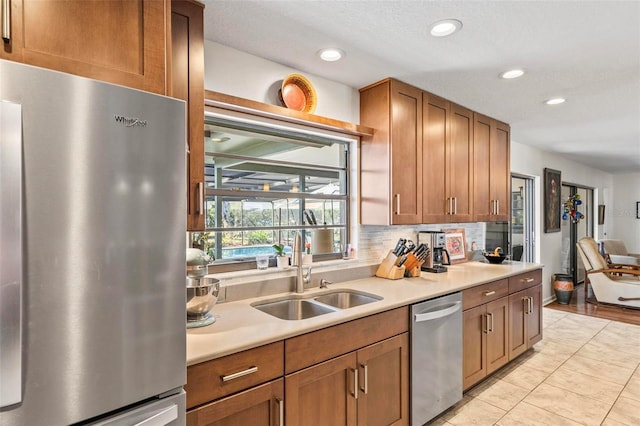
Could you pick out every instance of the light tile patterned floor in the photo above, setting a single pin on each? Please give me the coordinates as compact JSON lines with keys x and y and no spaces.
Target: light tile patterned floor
{"x":586,"y":371}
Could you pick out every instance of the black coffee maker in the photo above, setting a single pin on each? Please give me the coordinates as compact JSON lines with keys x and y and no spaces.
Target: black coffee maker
{"x":439,"y":255}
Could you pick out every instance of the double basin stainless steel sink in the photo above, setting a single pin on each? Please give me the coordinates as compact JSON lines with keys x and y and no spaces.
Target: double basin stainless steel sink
{"x":299,"y":307}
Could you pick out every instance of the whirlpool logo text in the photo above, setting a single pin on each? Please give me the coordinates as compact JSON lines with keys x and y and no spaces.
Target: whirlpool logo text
{"x":130,"y":121}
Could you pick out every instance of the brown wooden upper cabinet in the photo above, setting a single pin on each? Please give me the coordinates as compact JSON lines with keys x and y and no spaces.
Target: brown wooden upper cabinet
{"x":419,"y":165}
{"x":118,"y":41}
{"x":187,"y":83}
{"x":447,"y":175}
{"x":391,"y":159}
{"x":492,"y":169}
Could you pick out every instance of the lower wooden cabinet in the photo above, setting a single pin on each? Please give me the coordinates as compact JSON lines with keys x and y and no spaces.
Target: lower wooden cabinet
{"x":365,"y":387}
{"x":501,"y":320}
{"x":525,"y":320}
{"x":485,"y":344}
{"x":259,"y":406}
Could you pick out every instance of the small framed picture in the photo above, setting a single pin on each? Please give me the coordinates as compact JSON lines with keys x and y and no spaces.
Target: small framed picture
{"x":456,"y":245}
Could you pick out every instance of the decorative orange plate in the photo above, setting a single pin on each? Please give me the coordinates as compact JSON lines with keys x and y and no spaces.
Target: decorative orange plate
{"x":298,"y":93}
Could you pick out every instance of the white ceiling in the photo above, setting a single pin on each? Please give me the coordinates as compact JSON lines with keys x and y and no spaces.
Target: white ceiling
{"x":585,"y":51}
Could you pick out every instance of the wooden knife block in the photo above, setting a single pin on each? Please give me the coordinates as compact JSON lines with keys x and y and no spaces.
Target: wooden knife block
{"x":388,"y":268}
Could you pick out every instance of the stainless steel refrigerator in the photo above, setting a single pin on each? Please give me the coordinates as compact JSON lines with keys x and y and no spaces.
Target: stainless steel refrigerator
{"x":92,"y":255}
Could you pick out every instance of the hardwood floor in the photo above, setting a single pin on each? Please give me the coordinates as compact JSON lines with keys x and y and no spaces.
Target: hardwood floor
{"x":610,"y":312}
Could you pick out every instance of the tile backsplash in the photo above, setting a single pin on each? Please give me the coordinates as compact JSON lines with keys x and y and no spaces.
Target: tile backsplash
{"x":376,"y":241}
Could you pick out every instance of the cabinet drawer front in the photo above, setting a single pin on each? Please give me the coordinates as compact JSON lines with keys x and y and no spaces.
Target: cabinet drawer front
{"x":219,"y":377}
{"x":526,"y":280}
{"x":484,"y":293}
{"x":318,"y":346}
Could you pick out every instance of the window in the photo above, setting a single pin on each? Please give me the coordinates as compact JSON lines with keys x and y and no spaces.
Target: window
{"x":264,"y":182}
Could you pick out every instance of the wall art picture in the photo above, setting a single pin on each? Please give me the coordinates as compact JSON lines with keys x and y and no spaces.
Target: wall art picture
{"x":456,"y":245}
{"x":552,"y":205}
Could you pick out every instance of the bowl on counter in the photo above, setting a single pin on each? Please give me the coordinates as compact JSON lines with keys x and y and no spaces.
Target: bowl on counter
{"x":202,"y":295}
{"x":495,"y":258}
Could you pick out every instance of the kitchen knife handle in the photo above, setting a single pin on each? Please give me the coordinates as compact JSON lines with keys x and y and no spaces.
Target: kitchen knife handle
{"x":397,"y":203}
{"x":200,"y":198}
{"x":12,"y":260}
{"x":6,"y":20}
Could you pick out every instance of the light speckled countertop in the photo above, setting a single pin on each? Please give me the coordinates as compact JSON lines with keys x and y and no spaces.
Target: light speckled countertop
{"x":240,"y":326}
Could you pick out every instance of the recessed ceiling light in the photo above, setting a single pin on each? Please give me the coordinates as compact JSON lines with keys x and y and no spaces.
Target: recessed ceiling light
{"x":331,"y":54}
{"x":512,"y":74}
{"x":555,"y":101}
{"x":445,"y":27}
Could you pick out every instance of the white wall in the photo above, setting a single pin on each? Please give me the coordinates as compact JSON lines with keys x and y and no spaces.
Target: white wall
{"x":532,"y":161}
{"x":247,"y":76}
{"x":623,"y":223}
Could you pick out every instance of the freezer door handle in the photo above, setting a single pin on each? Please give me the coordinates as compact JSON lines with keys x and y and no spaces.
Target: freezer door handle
{"x":10,"y":253}
{"x":161,"y":418}
{"x":440,"y":313}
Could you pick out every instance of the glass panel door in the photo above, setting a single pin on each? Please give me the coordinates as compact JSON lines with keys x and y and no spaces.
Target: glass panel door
{"x":522,"y":213}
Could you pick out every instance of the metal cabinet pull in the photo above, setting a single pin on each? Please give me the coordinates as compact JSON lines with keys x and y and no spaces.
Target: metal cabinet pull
{"x":526,"y":280}
{"x":365,"y":379}
{"x":455,"y":205}
{"x":397,"y":203}
{"x":200,"y":198}
{"x":450,"y":206}
{"x":530,"y":304}
{"x":490,"y":322}
{"x":6,"y":20}
{"x":280,"y":404}
{"x":355,"y":382}
{"x":485,"y":323}
{"x":230,"y":377}
{"x":489,"y":293}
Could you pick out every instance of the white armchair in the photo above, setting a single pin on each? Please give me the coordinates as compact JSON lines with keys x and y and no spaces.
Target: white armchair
{"x":611,"y":283}
{"x":618,"y":253}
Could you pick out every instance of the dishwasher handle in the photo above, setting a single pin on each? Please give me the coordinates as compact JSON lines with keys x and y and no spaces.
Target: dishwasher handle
{"x":440,"y":313}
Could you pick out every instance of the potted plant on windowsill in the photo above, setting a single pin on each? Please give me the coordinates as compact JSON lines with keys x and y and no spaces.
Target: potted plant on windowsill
{"x":282,"y":259}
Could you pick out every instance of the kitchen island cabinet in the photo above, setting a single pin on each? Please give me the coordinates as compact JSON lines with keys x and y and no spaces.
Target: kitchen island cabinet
{"x":492,"y":169}
{"x":391,"y":158}
{"x":525,"y":313}
{"x":118,"y":41}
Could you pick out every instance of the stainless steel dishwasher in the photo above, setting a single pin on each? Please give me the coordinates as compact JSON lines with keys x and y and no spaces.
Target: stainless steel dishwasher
{"x":436,"y":356}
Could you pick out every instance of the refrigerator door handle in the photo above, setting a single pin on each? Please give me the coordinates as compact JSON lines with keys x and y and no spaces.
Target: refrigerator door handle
{"x":11,"y":253}
{"x":161,"y":418}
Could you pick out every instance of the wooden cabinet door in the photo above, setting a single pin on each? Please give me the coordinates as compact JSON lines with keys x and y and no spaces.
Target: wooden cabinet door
{"x":534,"y":317}
{"x":518,"y":343}
{"x":323,"y":395}
{"x":259,"y":406}
{"x":406,"y":154}
{"x":497,"y":334}
{"x":500,"y":165}
{"x":492,"y":169}
{"x":483,"y":203}
{"x":119,"y":41}
{"x":383,"y":388}
{"x":474,"y":365}
{"x":187,"y":83}
{"x":435,"y":138}
{"x":460,"y":164}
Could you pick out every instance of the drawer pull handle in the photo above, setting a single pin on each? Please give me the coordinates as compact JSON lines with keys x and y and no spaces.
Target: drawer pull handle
{"x":489,"y":293}
{"x":230,"y":377}
{"x":526,"y":280}
{"x":6,"y":20}
{"x":280,"y":403}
